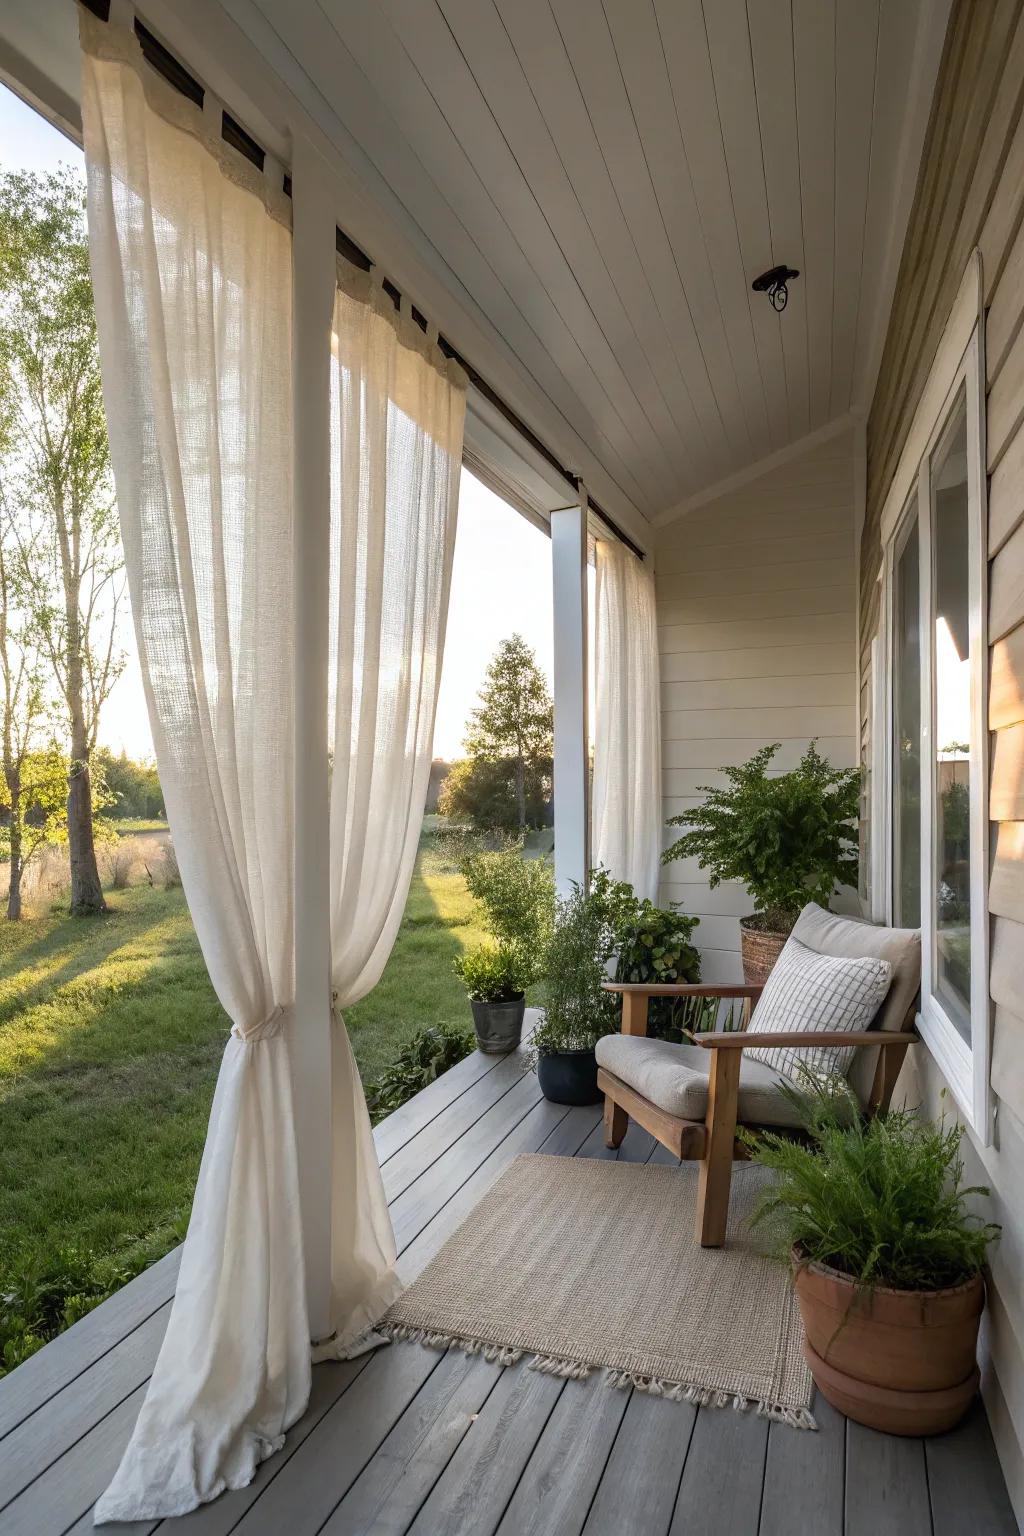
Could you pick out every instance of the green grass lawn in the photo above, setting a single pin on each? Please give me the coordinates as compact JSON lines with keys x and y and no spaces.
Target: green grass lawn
{"x":110,"y":1039}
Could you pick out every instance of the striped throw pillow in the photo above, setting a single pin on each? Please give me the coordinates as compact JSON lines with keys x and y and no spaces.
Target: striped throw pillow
{"x":809,"y":992}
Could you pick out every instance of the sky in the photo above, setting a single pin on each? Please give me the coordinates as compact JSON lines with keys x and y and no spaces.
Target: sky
{"x":501,"y":581}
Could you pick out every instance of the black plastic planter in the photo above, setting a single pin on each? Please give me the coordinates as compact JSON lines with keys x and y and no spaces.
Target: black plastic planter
{"x":568,"y":1077}
{"x":499,"y":1026}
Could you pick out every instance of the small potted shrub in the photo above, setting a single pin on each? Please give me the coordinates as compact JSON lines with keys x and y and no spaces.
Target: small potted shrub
{"x":576,"y":1011}
{"x":789,"y":839}
{"x":887,"y":1260}
{"x":495,"y":977}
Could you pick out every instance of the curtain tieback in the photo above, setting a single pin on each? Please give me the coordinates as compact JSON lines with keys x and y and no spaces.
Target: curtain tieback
{"x":266,"y":1029}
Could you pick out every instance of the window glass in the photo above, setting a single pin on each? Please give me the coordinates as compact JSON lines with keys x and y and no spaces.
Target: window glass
{"x":906,"y":768}
{"x":952,"y":721}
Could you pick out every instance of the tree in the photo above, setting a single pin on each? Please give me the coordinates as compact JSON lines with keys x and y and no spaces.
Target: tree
{"x":484,"y":794}
{"x":57,"y":473}
{"x":29,"y":778}
{"x":134,"y":787}
{"x":513,"y":725}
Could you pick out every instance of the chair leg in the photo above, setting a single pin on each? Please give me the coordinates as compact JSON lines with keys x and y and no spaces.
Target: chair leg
{"x":616,"y":1122}
{"x":716,"y":1164}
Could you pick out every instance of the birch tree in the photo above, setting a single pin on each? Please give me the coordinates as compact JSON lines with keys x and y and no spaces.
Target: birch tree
{"x":57,"y":474}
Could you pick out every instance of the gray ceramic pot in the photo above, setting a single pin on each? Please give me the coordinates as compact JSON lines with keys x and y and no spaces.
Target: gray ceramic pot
{"x":499,"y":1026}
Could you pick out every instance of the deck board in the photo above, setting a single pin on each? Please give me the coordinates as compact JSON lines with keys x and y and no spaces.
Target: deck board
{"x":410,"y":1440}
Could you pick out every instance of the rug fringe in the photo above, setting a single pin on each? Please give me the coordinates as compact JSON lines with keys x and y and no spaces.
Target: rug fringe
{"x":578,"y":1370}
{"x":711,"y":1397}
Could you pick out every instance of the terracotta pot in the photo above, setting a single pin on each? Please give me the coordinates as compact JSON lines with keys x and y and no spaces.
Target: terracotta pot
{"x":760,"y":949}
{"x":900,"y":1361}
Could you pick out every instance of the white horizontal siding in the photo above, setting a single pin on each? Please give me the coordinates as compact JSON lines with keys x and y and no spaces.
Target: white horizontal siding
{"x":756,"y":605}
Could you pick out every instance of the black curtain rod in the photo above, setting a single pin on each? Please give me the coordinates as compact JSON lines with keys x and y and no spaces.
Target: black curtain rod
{"x":164,"y":62}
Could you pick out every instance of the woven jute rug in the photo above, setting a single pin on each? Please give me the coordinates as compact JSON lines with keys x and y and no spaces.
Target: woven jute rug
{"x":580,"y":1264}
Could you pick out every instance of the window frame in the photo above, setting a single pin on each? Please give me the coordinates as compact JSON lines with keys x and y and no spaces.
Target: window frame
{"x":965,"y":1067}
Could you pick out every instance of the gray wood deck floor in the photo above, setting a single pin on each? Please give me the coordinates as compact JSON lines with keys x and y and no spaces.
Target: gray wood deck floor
{"x":410,"y":1440}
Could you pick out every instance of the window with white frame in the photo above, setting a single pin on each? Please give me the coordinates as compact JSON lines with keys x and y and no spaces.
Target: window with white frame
{"x":933,"y":760}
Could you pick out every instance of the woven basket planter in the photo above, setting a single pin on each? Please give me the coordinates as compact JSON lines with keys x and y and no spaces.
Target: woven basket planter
{"x":760,"y":949}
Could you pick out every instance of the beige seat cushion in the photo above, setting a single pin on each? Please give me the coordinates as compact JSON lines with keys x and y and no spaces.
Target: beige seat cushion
{"x":675,"y":1077}
{"x":853,"y":938}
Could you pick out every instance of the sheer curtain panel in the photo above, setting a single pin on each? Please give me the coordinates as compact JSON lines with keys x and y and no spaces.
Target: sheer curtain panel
{"x":397,"y":410}
{"x":627,"y":815}
{"x":191,"y":259}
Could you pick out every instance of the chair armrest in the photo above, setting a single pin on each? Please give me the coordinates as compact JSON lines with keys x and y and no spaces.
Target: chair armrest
{"x":743,"y":1040}
{"x":682,"y":989}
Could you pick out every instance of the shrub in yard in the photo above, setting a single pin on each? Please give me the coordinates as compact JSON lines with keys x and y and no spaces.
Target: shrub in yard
{"x":424,"y":1057}
{"x":41,"y":1296}
{"x":118,"y":860}
{"x":517,"y":896}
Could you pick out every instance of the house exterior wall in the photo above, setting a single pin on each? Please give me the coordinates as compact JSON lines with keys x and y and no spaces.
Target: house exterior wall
{"x":970,"y":195}
{"x":757,"y":642}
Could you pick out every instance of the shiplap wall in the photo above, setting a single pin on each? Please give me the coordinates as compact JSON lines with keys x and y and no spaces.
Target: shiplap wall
{"x":971,"y":194}
{"x":757,"y":636}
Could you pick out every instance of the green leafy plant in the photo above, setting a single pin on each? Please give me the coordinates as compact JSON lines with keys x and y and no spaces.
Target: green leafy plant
{"x":789,"y":839}
{"x":494,"y":973}
{"x":881,"y":1200}
{"x":424,"y":1057}
{"x":649,"y":943}
{"x":42,"y":1294}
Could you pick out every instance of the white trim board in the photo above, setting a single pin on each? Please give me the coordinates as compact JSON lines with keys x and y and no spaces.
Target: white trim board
{"x":776,"y":460}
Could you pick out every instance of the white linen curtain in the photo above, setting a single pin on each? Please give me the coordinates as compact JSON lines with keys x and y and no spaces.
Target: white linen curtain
{"x":191,"y":257}
{"x":627,"y":815}
{"x":398,"y":409}
{"x":192,"y":281}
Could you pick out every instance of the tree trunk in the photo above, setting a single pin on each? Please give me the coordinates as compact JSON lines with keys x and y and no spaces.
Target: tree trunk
{"x":86,"y":891}
{"x":521,"y":792}
{"x":17,"y":868}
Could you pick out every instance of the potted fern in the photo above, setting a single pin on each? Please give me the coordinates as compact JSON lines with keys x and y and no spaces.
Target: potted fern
{"x":790,"y":838}
{"x":888,"y":1260}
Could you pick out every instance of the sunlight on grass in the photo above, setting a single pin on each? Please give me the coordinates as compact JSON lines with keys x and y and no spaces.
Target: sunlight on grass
{"x":110,"y":1040}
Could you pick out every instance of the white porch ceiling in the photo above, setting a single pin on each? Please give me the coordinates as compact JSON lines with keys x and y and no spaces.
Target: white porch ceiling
{"x":603,"y":181}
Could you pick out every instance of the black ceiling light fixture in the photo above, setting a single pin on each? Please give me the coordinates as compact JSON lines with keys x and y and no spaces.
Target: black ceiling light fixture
{"x":775,"y":284}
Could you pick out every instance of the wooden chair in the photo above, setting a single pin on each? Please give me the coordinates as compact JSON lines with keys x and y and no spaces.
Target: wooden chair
{"x":711,"y":1140}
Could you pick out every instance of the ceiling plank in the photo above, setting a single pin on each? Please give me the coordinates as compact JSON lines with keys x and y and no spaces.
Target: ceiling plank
{"x":638,"y":43}
{"x":590,"y":49}
{"x":856,"y":49}
{"x":814,"y":60}
{"x":482,"y":252}
{"x":681,"y":23}
{"x":505,"y":92}
{"x":897,"y":43}
{"x":771,"y":42}
{"x":729,"y":46}
{"x":419,"y":42}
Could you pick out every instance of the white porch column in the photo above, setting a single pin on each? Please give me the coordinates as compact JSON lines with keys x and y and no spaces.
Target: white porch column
{"x":572,"y":774}
{"x":313,"y":300}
